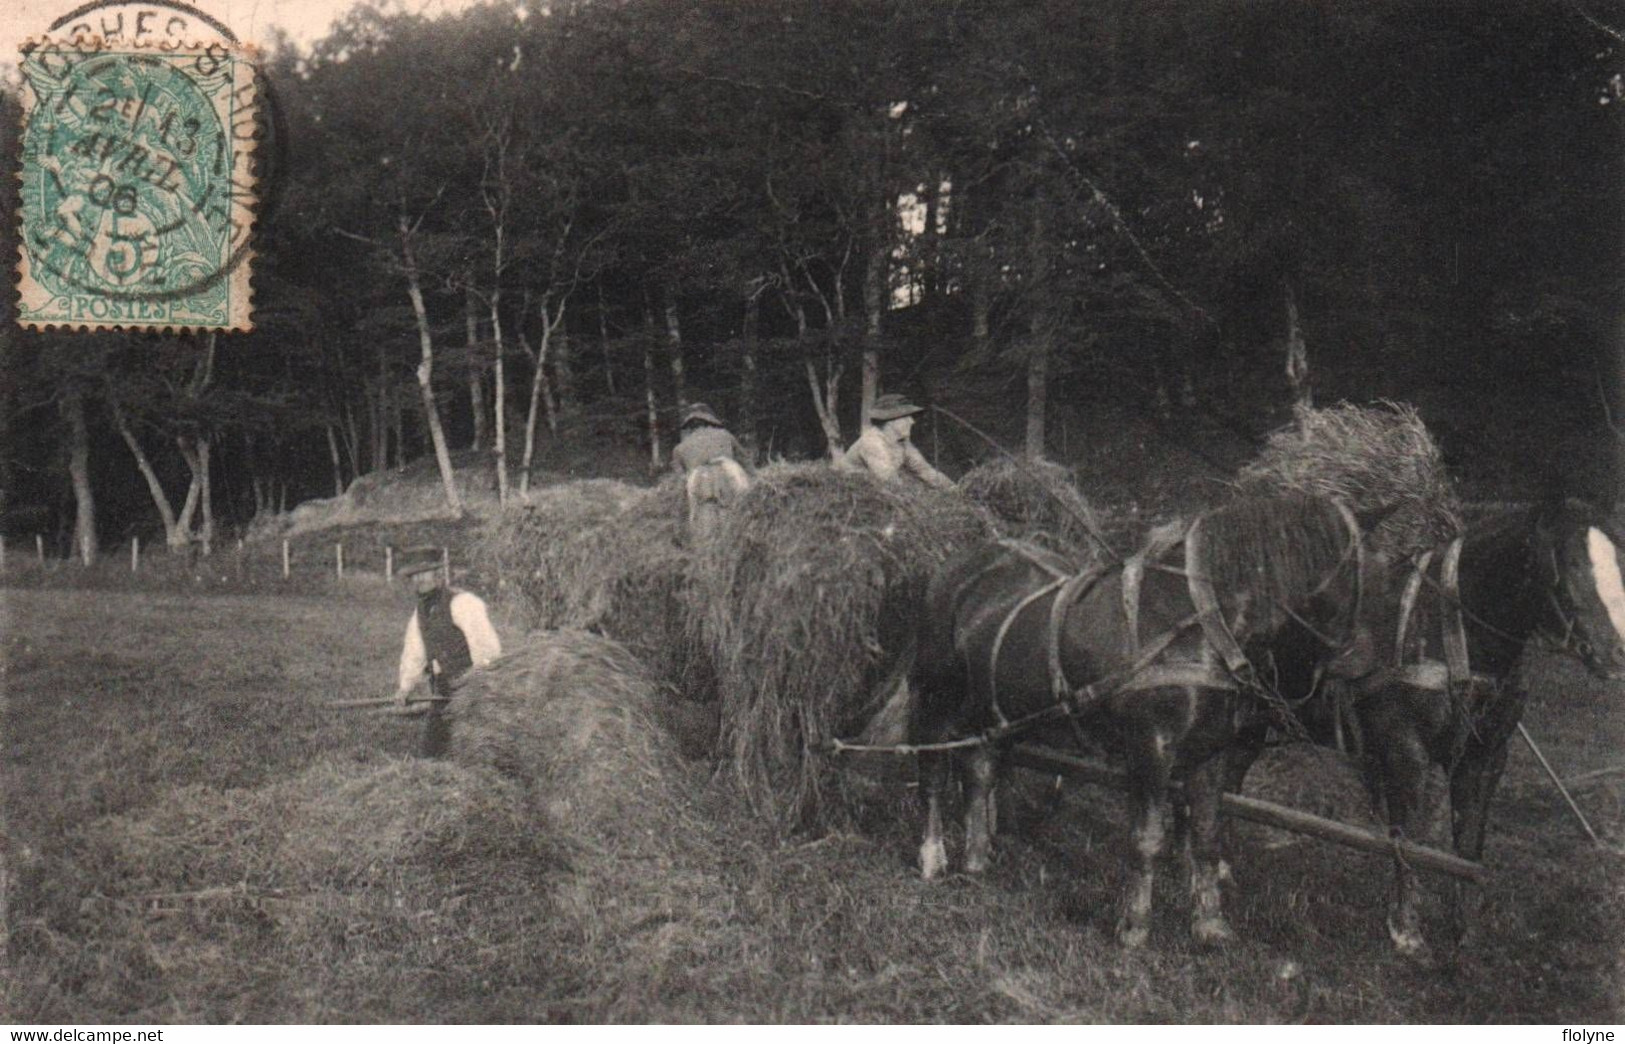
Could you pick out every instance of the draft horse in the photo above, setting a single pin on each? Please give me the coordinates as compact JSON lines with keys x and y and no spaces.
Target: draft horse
{"x":1164,"y":659}
{"x":1451,"y":630}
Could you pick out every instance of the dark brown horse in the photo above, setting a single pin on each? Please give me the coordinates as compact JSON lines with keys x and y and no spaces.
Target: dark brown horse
{"x":1164,"y":660}
{"x":1450,"y":630}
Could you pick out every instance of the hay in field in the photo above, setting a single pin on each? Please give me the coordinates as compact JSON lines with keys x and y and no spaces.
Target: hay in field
{"x":1035,"y":500}
{"x":805,"y":599}
{"x":575,"y":720}
{"x":341,"y":824}
{"x":1380,"y":460}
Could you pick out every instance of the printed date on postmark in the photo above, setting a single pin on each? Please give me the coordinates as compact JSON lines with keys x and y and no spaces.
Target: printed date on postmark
{"x":138,"y":195}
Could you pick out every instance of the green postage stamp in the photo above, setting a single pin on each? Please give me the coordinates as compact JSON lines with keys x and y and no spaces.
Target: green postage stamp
{"x":138,"y":194}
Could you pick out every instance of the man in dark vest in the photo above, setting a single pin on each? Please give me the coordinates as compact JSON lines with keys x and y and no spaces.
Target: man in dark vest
{"x":449,"y":632}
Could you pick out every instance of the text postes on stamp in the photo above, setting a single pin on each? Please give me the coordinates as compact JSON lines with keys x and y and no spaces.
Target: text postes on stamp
{"x":138,"y":193}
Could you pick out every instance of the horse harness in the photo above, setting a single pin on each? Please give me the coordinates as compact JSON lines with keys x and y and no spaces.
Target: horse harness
{"x":1454,"y":675}
{"x":1235,"y":672}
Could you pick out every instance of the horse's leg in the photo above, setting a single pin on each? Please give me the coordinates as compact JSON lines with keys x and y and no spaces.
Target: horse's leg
{"x":981,"y":772}
{"x":1149,"y":762}
{"x":1472,"y":786}
{"x":934,"y":769}
{"x":1204,"y":786}
{"x":1399,"y":759}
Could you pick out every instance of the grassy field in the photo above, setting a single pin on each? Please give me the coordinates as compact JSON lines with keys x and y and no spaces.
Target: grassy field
{"x":152,"y":741}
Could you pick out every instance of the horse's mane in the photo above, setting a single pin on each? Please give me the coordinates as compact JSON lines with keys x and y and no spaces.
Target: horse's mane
{"x":1279,"y":548}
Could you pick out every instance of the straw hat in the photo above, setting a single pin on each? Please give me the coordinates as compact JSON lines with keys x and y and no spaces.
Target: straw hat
{"x":890,"y":407}
{"x":700,"y":412}
{"x":415,"y":560}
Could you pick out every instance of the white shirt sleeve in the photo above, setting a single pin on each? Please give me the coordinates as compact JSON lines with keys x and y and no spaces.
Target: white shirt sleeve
{"x":468,"y":613}
{"x":413,"y":656}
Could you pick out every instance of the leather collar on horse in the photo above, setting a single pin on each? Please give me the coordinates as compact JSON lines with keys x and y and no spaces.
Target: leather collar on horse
{"x":1234,"y":672}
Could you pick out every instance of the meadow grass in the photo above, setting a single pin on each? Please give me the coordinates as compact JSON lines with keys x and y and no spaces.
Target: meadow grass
{"x":158,"y":747}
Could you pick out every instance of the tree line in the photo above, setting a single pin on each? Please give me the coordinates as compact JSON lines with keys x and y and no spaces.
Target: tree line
{"x":524,"y":221}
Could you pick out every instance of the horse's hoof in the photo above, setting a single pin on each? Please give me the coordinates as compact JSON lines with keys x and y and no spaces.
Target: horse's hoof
{"x":933,"y":860}
{"x":1211,"y":931}
{"x":977,"y":862}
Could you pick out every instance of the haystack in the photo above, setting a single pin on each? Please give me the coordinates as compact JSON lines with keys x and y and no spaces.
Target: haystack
{"x":1380,"y":460}
{"x":1036,"y":500}
{"x":575,"y":720}
{"x":598,"y":554}
{"x":805,"y":603}
{"x":343,"y":822}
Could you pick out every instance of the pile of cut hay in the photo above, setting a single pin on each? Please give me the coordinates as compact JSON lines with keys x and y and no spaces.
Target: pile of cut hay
{"x":598,"y":554}
{"x":805,"y":604}
{"x":1379,"y":460}
{"x":341,"y":823}
{"x":1035,"y":500}
{"x":575,"y":720}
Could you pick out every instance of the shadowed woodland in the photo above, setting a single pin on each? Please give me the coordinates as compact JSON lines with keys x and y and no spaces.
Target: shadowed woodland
{"x":1123,"y":236}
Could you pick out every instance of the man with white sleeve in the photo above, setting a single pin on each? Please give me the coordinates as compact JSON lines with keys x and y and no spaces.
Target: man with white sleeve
{"x":449,"y":632}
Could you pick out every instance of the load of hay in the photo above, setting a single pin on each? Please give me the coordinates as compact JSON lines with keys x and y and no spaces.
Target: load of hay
{"x":805,"y":601}
{"x":599,"y":554}
{"x":576,"y":721}
{"x":1035,"y":500}
{"x":1380,"y":460}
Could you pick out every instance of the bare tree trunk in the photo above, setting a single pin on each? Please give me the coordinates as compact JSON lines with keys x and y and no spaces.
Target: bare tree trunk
{"x":565,"y":376}
{"x":981,"y":303}
{"x":1041,"y":333}
{"x":205,"y":495}
{"x":1297,"y":354}
{"x":541,"y":390}
{"x":476,"y":371}
{"x":500,"y":444}
{"x":603,"y":340}
{"x":824,"y":404}
{"x":747,"y":373}
{"x":1037,"y":390}
{"x":159,"y":498}
{"x":431,"y":413}
{"x":874,"y":309}
{"x":194,"y":490}
{"x":651,"y":402}
{"x":397,"y":427}
{"x":338,"y":464}
{"x":352,"y":438}
{"x":84,"y":500}
{"x":674,"y":351}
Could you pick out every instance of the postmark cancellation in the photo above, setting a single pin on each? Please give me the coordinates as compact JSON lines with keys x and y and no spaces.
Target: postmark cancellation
{"x":137,"y":195}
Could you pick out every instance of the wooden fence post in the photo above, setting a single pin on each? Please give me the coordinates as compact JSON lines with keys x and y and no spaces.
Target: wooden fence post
{"x":39,"y":547}
{"x":389,"y":564}
{"x":338,"y":551}
{"x":445,"y":563}
{"x":135,"y":554}
{"x":284,"y":560}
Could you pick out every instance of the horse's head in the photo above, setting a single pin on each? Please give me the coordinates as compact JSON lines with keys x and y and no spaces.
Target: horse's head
{"x":1579,"y":565}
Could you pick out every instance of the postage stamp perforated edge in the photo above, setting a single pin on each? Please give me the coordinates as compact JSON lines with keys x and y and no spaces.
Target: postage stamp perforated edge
{"x":125,"y":241}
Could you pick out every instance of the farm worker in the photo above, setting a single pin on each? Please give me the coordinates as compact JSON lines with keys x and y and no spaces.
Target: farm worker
{"x":885,"y":450}
{"x":709,"y":455}
{"x":449,"y":632}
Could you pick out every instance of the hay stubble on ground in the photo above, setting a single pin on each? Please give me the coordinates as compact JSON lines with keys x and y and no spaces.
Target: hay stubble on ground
{"x":177,"y":730}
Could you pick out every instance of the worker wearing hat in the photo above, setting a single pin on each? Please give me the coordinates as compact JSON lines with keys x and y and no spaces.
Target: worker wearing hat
{"x":449,"y":632}
{"x":884,"y":450}
{"x":709,"y":455}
